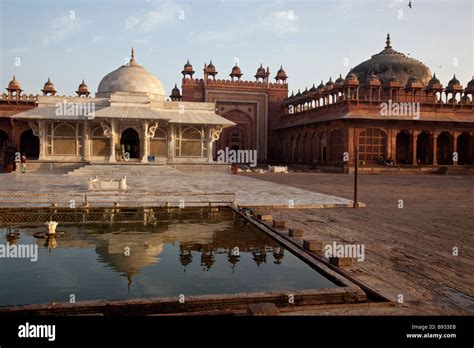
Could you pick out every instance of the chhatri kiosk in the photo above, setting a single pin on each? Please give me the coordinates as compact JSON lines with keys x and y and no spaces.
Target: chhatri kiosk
{"x":129,"y":119}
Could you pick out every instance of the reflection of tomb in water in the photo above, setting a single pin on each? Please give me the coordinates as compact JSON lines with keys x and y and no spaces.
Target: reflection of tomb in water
{"x":12,"y":235}
{"x":145,"y":231}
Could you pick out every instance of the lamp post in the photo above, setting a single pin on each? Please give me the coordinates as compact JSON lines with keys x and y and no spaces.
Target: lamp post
{"x":356,"y":179}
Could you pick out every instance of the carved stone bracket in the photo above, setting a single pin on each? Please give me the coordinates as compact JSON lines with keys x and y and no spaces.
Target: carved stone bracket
{"x":215,"y":133}
{"x":34,"y":127}
{"x":107,"y":129}
{"x":152,"y":129}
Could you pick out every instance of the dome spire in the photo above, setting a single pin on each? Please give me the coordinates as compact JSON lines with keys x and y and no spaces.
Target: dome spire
{"x":132,"y":59}
{"x":387,"y":42}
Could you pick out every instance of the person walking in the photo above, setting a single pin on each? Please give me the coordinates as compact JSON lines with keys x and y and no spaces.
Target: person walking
{"x":23,"y":162}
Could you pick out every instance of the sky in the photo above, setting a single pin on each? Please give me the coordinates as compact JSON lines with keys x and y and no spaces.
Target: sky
{"x":313,"y":39}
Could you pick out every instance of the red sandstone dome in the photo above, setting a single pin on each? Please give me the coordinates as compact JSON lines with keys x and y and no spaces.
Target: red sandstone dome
{"x":351,"y":79}
{"x":48,"y":88}
{"x":389,"y":62}
{"x":210,"y":69}
{"x":14,"y":84}
{"x":281,"y":74}
{"x":339,"y":81}
{"x":261,"y":72}
{"x":83,"y":89}
{"x":188,"y":69}
{"x":470,"y":86}
{"x":434,"y":83}
{"x":175,"y":94}
{"x":454,"y":83}
{"x":236,"y":72}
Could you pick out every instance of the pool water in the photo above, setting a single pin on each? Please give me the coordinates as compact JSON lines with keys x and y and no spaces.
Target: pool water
{"x":112,"y":254}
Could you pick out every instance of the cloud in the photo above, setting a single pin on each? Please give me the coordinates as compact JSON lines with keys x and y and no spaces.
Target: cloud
{"x":146,"y":21}
{"x":282,"y":22}
{"x":60,"y":29}
{"x":131,"y":22}
{"x":97,"y":38}
{"x":142,"y":41}
{"x":18,"y":50}
{"x":396,"y":3}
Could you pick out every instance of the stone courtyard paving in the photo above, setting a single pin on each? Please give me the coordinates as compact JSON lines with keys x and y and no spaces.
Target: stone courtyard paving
{"x":249,"y":191}
{"x":408,"y":251}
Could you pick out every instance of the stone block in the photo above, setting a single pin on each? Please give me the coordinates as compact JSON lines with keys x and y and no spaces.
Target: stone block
{"x":265,"y":217}
{"x":262,"y":309}
{"x":341,"y":261}
{"x":279,"y":223}
{"x":312,"y":245}
{"x":296,"y":232}
{"x":278,"y":169}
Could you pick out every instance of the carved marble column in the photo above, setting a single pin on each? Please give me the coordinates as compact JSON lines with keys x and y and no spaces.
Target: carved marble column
{"x":144,"y":136}
{"x":109,"y":132}
{"x":85,"y":141}
{"x":214,"y":134}
{"x":171,"y":142}
{"x":38,"y":129}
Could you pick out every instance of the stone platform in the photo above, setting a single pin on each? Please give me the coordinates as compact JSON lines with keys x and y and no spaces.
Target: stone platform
{"x":249,"y":192}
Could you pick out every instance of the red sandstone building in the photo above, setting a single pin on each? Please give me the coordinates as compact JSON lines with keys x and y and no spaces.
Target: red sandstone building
{"x":252,"y":105}
{"x":319,"y":125}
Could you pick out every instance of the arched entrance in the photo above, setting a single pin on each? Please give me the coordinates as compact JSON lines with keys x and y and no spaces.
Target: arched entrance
{"x":424,"y":155}
{"x":444,"y":148}
{"x":463,"y":147}
{"x":3,"y":148}
{"x":236,"y":139}
{"x":336,"y":146}
{"x":323,"y":143}
{"x":29,"y":145}
{"x":403,"y":152}
{"x":131,"y":142}
{"x":241,"y":136}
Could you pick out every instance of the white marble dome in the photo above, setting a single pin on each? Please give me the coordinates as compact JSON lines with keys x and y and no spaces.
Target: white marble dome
{"x":131,"y":78}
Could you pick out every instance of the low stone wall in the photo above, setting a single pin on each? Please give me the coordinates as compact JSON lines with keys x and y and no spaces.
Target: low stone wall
{"x":168,"y":305}
{"x":57,"y":167}
{"x":202,"y":168}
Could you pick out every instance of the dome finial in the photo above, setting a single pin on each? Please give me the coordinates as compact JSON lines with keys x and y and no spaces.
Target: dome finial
{"x":387,"y":42}
{"x":132,"y":59}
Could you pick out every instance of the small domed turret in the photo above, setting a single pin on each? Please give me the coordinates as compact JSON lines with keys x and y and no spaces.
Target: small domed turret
{"x":236,"y":72}
{"x":48,"y":88}
{"x":261,"y":74}
{"x":434,"y":83}
{"x":351,"y":79}
{"x":470,"y":86}
{"x":454,"y":83}
{"x":14,"y":87}
{"x":281,"y":74}
{"x":175,"y":94}
{"x":83,"y":89}
{"x":210,"y":70}
{"x":339,"y":81}
{"x":188,"y":69}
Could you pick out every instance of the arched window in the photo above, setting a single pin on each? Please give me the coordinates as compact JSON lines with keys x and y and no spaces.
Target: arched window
{"x":190,"y":142}
{"x":158,"y":144}
{"x":100,"y":143}
{"x":63,"y":138}
{"x":372,"y":144}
